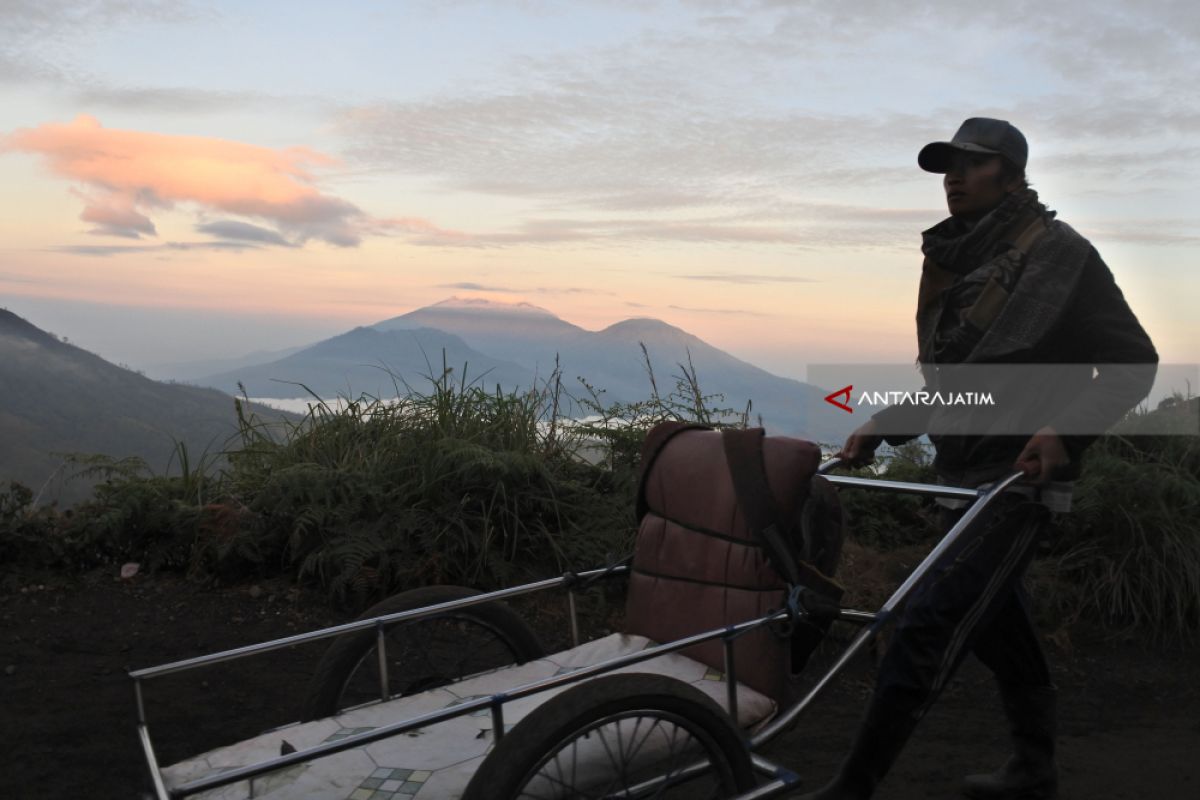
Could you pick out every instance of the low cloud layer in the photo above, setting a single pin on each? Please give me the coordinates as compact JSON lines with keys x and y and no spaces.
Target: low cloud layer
{"x":128,"y":175}
{"x":753,"y":106}
{"x":732,"y":311}
{"x":737,"y":277}
{"x":105,"y":250}
{"x":242,"y":231}
{"x":741,"y":123}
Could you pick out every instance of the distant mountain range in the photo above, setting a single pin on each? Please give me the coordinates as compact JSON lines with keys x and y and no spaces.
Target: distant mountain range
{"x":512,"y":345}
{"x":57,"y":398}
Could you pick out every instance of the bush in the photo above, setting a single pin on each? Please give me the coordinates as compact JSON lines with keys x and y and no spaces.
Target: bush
{"x":488,"y":488}
{"x":28,"y":536}
{"x":457,"y":485}
{"x":884,"y":520}
{"x":1130,"y":549}
{"x":134,"y":515}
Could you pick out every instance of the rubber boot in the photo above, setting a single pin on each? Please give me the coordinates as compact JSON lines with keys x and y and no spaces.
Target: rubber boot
{"x":1030,"y":773}
{"x":875,"y":748}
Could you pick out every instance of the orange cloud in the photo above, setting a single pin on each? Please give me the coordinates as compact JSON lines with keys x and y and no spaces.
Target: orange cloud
{"x":421,"y":227}
{"x":129,"y":174}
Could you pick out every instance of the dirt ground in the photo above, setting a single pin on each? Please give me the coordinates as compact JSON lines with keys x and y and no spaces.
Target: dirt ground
{"x":1130,"y":710}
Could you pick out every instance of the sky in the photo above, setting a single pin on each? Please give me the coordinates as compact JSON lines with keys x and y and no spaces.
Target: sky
{"x":194,"y":180}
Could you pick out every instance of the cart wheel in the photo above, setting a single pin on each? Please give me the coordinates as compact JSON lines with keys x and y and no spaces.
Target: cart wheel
{"x":625,"y":735}
{"x":423,"y":653}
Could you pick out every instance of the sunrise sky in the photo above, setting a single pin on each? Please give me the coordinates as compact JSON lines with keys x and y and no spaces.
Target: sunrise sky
{"x":185,"y":181}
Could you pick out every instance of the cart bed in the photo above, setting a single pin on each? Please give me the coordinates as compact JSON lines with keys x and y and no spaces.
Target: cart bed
{"x":437,"y":761}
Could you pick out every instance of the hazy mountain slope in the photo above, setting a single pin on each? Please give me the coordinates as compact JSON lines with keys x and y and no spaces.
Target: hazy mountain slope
{"x":186,"y":370}
{"x":521,"y":333}
{"x":372,"y":362}
{"x":612,"y":359}
{"x":518,"y":341}
{"x":56,"y":397}
{"x":783,"y":403}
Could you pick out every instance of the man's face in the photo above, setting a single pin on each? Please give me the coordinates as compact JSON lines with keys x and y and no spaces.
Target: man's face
{"x":973,"y":185}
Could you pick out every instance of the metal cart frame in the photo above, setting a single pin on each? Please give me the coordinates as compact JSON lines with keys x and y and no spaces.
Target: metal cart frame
{"x":778,"y":779}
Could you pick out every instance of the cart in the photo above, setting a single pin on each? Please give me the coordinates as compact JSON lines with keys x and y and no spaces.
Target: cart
{"x":497,"y":717}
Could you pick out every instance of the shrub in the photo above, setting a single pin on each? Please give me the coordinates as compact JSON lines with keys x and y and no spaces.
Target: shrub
{"x":28,"y":535}
{"x":465,"y":485}
{"x":134,"y":516}
{"x":1130,"y":549}
{"x":456,"y":485}
{"x":885,"y":520}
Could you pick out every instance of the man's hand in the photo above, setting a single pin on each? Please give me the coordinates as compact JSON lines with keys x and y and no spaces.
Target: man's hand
{"x":1042,"y":457}
{"x":859,"y":448}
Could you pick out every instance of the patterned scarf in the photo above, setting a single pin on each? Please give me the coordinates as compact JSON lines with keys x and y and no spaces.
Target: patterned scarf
{"x":960,"y":261}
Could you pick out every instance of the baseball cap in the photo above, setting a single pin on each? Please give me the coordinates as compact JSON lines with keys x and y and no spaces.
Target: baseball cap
{"x":977,"y":135}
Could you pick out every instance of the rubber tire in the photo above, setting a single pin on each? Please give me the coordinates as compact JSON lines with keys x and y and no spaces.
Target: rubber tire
{"x":343,"y":657}
{"x":552,"y":725}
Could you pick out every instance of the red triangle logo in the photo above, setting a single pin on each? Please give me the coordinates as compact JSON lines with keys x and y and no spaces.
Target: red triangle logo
{"x":843,"y":392}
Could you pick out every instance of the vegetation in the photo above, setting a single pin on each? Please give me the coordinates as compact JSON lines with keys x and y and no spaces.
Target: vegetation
{"x":885,"y":521}
{"x":455,"y":485}
{"x":1130,"y":549}
{"x":464,"y":485}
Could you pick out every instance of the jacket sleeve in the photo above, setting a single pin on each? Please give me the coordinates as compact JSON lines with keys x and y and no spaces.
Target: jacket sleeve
{"x":1108,"y":336}
{"x":901,"y":423}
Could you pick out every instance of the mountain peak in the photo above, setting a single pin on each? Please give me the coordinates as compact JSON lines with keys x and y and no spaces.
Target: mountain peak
{"x":644,"y":326}
{"x":483,"y":304}
{"x":642,"y":322}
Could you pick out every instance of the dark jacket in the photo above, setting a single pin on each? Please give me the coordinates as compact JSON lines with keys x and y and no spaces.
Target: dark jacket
{"x":1095,"y":331}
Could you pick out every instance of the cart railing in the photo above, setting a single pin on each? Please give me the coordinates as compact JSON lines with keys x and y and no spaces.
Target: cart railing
{"x":982,"y":499}
{"x":871,"y":621}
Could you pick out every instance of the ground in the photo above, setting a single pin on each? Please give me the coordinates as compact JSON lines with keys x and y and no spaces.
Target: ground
{"x":1130,"y":708}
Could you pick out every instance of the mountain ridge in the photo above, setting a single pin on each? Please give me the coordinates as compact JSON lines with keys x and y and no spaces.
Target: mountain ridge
{"x":513,"y":345}
{"x":60,"y":398}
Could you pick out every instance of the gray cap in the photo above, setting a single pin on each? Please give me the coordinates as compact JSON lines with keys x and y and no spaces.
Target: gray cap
{"x":976,"y":135}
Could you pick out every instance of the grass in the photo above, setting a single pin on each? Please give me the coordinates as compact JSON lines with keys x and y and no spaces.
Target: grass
{"x":463,"y":484}
{"x":1130,"y":550}
{"x":457,"y":483}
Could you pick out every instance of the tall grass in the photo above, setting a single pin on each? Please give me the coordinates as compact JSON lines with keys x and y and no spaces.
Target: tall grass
{"x":450,"y":483}
{"x":458,"y":483}
{"x":1129,"y":551}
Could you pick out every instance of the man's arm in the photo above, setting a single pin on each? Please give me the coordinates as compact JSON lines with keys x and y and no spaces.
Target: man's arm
{"x":1109,"y":336}
{"x":901,"y":422}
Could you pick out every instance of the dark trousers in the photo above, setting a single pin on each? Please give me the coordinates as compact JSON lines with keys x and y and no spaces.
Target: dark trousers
{"x":973,"y":601}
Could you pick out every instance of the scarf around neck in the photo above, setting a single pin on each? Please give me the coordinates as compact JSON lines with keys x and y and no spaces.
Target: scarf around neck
{"x":962,"y":258}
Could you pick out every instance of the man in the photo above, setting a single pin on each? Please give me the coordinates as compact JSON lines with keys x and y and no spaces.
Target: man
{"x":1003,"y":282}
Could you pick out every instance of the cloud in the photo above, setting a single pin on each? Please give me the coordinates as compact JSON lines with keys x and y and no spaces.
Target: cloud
{"x":45,"y":17}
{"x":243,"y":231}
{"x":40,"y":35}
{"x":732,"y":122}
{"x":1147,"y":233}
{"x":737,"y":311}
{"x":860,"y":228}
{"x":552,"y":290}
{"x":184,"y":99}
{"x":590,"y":143}
{"x":40,"y":40}
{"x":424,"y":230}
{"x":477,"y":287}
{"x":115,"y":215}
{"x":106,"y":250}
{"x":771,"y":103}
{"x":736,"y":277}
{"x":131,"y":172}
{"x":22,"y":279}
